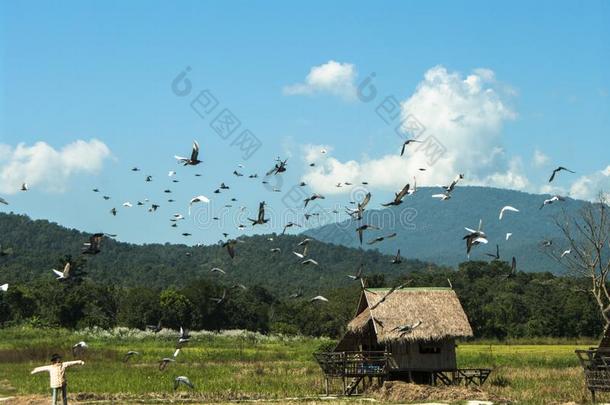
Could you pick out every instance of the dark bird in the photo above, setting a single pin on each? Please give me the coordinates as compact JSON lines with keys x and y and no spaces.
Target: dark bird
{"x":357,"y":213}
{"x":183,"y":337}
{"x":148,"y":178}
{"x":238,"y":174}
{"x":260,"y":220}
{"x":398,"y":196}
{"x":560,"y":168}
{"x":106,"y":197}
{"x":135,"y":169}
{"x":397,"y":259}
{"x":93,"y":246}
{"x":113,"y":211}
{"x":194,"y":159}
{"x":454,"y":183}
{"x":230,"y":245}
{"x":381,"y":238}
{"x":223,"y":186}
{"x":495,"y":256}
{"x":404,"y":145}
{"x":289,"y":225}
{"x":95,"y":190}
{"x":363,"y":228}
{"x":513,"y":268}
{"x":312,"y":198}
{"x":280,"y":167}
{"x":3,"y":201}
{"x":474,"y":238}
{"x":390,"y":292}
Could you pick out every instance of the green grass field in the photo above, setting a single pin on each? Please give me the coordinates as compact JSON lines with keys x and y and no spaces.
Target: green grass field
{"x":234,"y":366}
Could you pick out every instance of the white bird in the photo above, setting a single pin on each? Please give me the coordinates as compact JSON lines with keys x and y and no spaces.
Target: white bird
{"x":199,"y":198}
{"x":4,"y":287}
{"x":183,"y":380}
{"x":78,"y":348}
{"x":318,"y":298}
{"x":323,"y":151}
{"x":566,"y":252}
{"x":171,"y":173}
{"x":507,"y":208}
{"x":63,"y":275}
{"x":443,"y":197}
{"x":552,"y":200}
{"x":218,"y":270}
{"x":508,"y":235}
{"x":127,"y":204}
{"x":309,"y":261}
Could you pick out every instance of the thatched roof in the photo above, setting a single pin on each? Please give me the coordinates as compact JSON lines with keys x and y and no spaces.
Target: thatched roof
{"x":438,"y":309}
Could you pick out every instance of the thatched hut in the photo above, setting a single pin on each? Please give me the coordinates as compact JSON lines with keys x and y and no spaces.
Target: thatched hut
{"x":382,"y":328}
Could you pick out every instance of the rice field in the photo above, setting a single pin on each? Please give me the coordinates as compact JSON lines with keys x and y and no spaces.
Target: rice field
{"x":235,"y":365}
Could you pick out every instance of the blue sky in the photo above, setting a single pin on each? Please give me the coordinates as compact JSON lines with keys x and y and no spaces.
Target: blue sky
{"x":103,"y":70}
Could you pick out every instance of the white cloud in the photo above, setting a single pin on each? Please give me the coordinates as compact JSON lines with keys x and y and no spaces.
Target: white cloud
{"x":588,"y":187}
{"x":331,"y":77}
{"x":540,"y":159}
{"x":50,"y":169}
{"x":463,"y":116}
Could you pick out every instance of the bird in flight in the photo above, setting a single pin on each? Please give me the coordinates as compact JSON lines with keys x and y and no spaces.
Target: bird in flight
{"x":289,"y":225}
{"x":194,"y":159}
{"x":24,"y":187}
{"x":551,"y":200}
{"x":309,"y":261}
{"x":560,"y":168}
{"x":4,"y":287}
{"x":280,"y":167}
{"x":357,"y":213}
{"x":398,"y":196}
{"x":474,"y":238}
{"x":63,"y":275}
{"x":406,"y":143}
{"x":93,"y":246}
{"x":405,"y":329}
{"x":230,"y":245}
{"x":358,"y":275}
{"x":183,"y":380}
{"x":199,"y":198}
{"x":260,"y":220}
{"x":495,"y":256}
{"x":381,"y":238}
{"x":507,"y":208}
{"x":318,"y":298}
{"x":312,"y":198}
{"x":397,"y":259}
{"x":79,"y":348}
{"x":129,"y":355}
{"x":363,"y":228}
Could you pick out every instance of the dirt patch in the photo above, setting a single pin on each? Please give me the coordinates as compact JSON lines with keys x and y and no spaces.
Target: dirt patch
{"x":401,"y":391}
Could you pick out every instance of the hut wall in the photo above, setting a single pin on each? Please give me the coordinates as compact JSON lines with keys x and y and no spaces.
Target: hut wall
{"x":436,"y":355}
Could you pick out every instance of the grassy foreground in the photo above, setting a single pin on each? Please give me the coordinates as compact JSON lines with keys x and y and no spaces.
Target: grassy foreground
{"x":242,"y":365}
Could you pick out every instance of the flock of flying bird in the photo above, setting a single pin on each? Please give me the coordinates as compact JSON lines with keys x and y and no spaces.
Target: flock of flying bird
{"x":473,"y":238}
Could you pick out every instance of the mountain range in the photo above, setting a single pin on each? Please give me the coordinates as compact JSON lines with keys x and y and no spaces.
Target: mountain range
{"x":431,"y":230}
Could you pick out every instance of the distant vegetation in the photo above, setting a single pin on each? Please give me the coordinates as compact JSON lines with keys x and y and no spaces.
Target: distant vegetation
{"x":135,"y":286}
